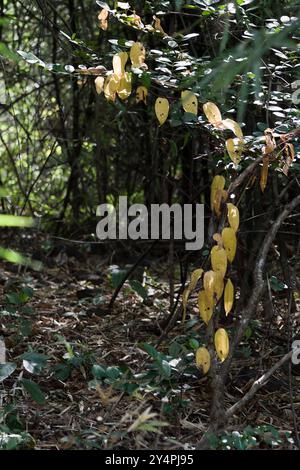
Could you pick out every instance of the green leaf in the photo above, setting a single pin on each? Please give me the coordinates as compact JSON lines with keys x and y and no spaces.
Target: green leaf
{"x":8,"y":54}
{"x":193,"y":343}
{"x":31,"y":58}
{"x":150,"y":350}
{"x":164,"y":368}
{"x":98,"y":371}
{"x":34,"y":391}
{"x":175,"y":349}
{"x":6,"y":370}
{"x":15,"y":221}
{"x":62,"y":371}
{"x":34,"y":362}
{"x":113,"y":373}
{"x":14,"y":257}
{"x":139,"y":289}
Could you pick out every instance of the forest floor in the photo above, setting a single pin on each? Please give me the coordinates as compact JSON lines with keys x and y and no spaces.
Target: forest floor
{"x":101,"y":382}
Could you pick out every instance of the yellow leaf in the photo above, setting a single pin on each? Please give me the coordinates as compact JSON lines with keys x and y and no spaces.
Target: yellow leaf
{"x":222,"y":344}
{"x":219,"y":260}
{"x":289,"y":153}
{"x":213,"y":285}
{"x":229,"y":242}
{"x":218,"y":238}
{"x":137,"y":54}
{"x":99,"y":83}
{"x":119,"y":63}
{"x":228,"y":296}
{"x":217,"y":201}
{"x":234,"y":148}
{"x":233,"y":216}
{"x":162,"y":109}
{"x":205,"y":307}
{"x":217,"y":183}
{"x":102,"y":17}
{"x":264,"y":173}
{"x":270,"y":142}
{"x":111,"y":85}
{"x":195,"y":276}
{"x":213,"y":114}
{"x":103,"y":14}
{"x":136,"y":20}
{"x":157,"y":26}
{"x":234,"y":127}
{"x":124,"y":88}
{"x":189,"y":102}
{"x":203,"y":359}
{"x":141,"y":94}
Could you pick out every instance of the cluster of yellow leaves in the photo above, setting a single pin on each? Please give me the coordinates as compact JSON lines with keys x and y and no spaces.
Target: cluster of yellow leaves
{"x":119,"y":82}
{"x":214,"y":284}
{"x":234,"y":146}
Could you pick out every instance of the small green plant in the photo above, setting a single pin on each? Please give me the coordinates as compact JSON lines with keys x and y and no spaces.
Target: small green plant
{"x":266,"y":436}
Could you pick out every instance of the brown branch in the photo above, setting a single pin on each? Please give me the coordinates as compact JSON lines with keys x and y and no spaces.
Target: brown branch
{"x":258,"y":288}
{"x":257,"y":385}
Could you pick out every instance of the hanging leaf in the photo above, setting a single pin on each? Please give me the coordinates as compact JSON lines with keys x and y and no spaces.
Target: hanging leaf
{"x":218,"y":260}
{"x":111,"y":86}
{"x":289,"y":153}
{"x":189,"y":102}
{"x":119,"y":63}
{"x":218,"y":201}
{"x":162,"y":109}
{"x":213,"y":285}
{"x":99,"y":83}
{"x":217,"y":183}
{"x":222,"y":344}
{"x":205,"y":307}
{"x":228,"y":296}
{"x":233,"y":216}
{"x":270,"y":142}
{"x":137,"y":54}
{"x":234,"y":127}
{"x":213,"y":114}
{"x":102,"y":17}
{"x":264,"y":173}
{"x":158,"y":26}
{"x":203,"y":359}
{"x":141,"y":94}
{"x":229,"y":242}
{"x":234,"y":148}
{"x":195,"y":276}
{"x":124,"y":88}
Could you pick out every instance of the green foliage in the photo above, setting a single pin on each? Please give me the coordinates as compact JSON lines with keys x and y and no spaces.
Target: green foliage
{"x":263,"y":437}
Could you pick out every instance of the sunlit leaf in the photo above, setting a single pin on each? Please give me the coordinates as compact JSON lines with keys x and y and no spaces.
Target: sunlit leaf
{"x":233,"y":216}
{"x":228,"y":296}
{"x":162,"y":109}
{"x":137,"y":54}
{"x":189,"y":102}
{"x":222,"y":344}
{"x":229,"y":242}
{"x":203,"y":359}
